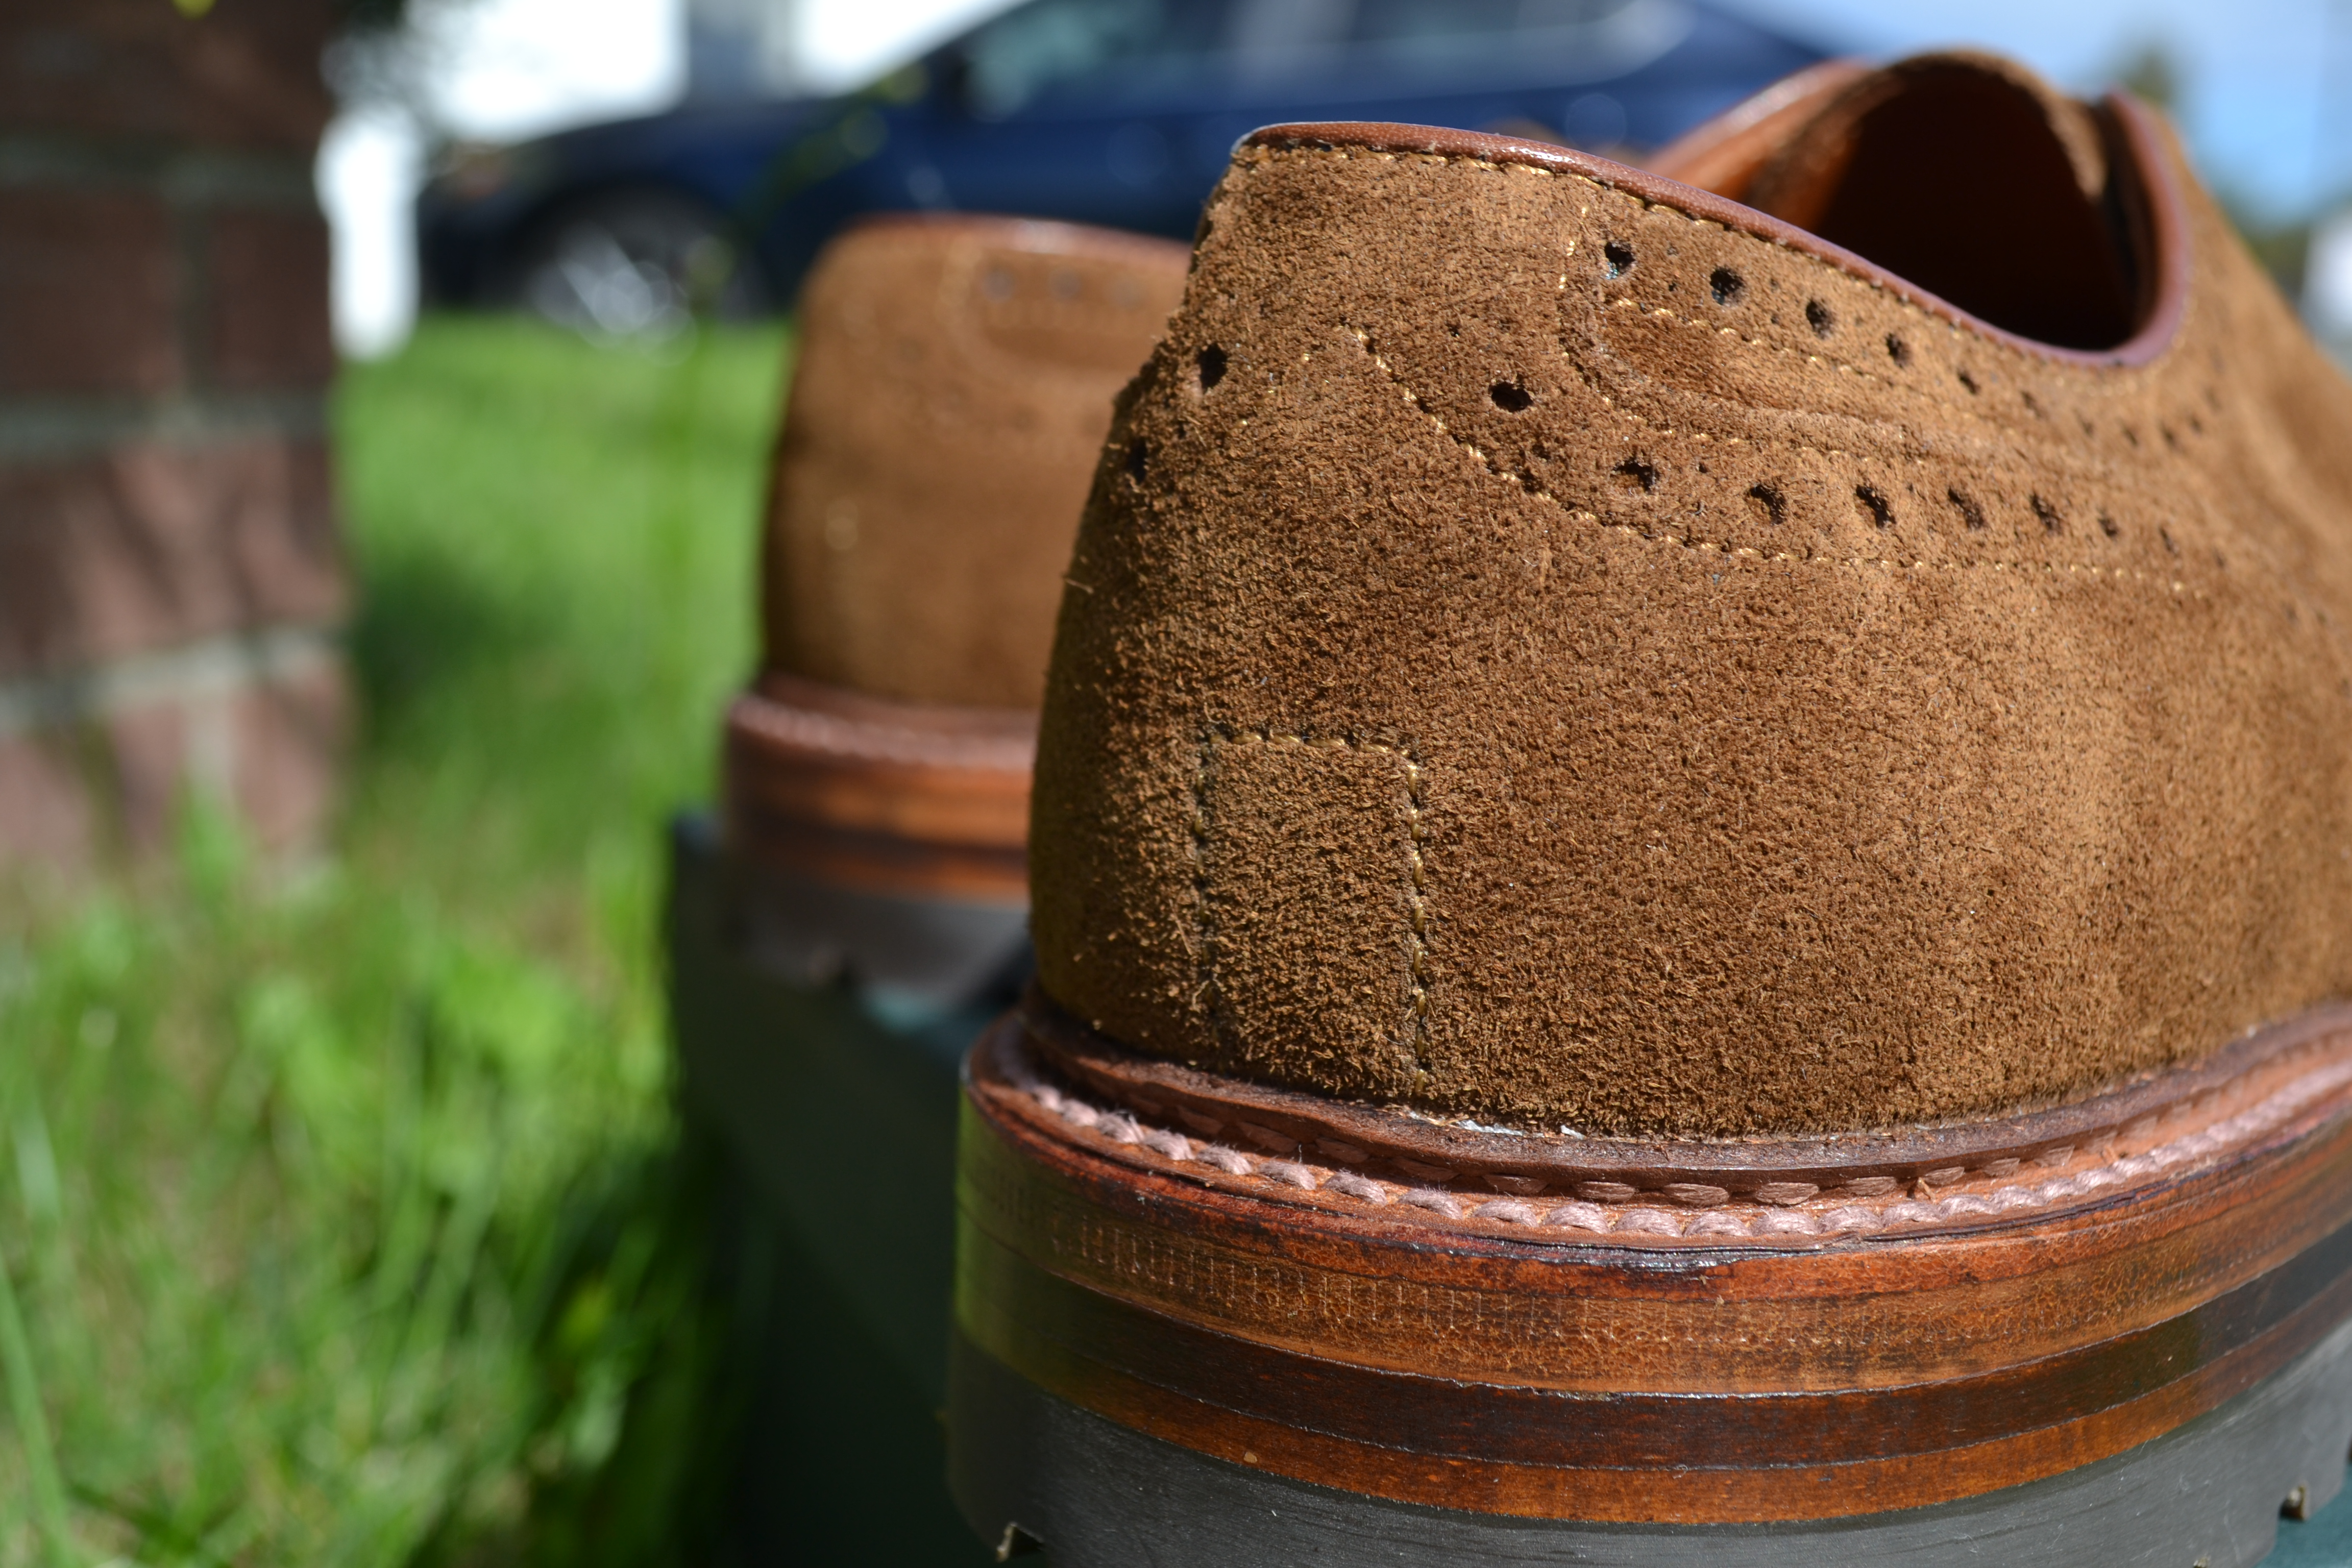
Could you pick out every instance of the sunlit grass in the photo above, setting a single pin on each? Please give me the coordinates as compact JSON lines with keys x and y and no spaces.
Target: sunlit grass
{"x":334,"y":1198}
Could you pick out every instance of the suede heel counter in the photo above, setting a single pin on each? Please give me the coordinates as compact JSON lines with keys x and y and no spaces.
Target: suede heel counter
{"x":954,"y":382}
{"x":1687,"y":731}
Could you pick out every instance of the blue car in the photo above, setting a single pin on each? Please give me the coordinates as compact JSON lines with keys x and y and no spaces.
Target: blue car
{"x":1119,"y":112}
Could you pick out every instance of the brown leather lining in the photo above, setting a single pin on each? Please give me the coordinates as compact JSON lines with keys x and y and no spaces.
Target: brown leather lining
{"x":2139,"y":133}
{"x":1723,"y":155}
{"x":1974,"y":179}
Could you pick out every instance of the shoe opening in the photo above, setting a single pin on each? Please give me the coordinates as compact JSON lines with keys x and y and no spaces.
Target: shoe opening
{"x":1970,"y":178}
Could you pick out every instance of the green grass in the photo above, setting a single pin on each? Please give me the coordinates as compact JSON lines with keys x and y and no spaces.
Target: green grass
{"x":338,"y":1209}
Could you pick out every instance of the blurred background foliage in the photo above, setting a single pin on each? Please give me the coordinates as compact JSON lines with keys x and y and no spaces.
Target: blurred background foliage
{"x":341,"y":1203}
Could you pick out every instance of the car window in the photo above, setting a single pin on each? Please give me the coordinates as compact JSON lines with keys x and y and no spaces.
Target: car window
{"x":1386,"y":21}
{"x":1072,"y":44}
{"x":1570,"y":39}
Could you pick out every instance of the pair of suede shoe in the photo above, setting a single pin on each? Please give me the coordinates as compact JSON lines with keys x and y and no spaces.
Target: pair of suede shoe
{"x":1692,"y":862}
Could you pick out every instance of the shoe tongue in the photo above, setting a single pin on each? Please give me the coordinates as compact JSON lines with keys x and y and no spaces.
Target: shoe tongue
{"x":1973,"y":179}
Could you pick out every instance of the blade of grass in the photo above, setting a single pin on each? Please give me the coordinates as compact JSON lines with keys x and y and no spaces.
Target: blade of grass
{"x":156,"y":1529}
{"x":32,"y":1426}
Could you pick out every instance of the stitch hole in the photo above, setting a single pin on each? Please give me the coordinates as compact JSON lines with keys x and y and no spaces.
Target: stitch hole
{"x":1509,"y":396}
{"x":1727,"y":287}
{"x":1818,"y":317}
{"x":2166,"y":535}
{"x":1139,"y":458}
{"x":1898,"y":350}
{"x":1970,"y":382}
{"x":1768,"y":504}
{"x":1882,"y":515}
{"x":2108,"y":526}
{"x":1211,"y":366}
{"x":1617,"y":258}
{"x":1966,"y":505}
{"x":2053,"y":520}
{"x":1637,"y":474}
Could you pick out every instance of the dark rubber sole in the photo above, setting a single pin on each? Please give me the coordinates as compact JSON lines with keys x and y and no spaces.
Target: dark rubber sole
{"x":1031,"y":1470}
{"x":838,"y":1267}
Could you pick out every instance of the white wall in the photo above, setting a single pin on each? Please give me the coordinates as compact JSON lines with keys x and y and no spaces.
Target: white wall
{"x":475,"y":69}
{"x":2327,"y":281}
{"x":369,"y":165}
{"x":837,"y":44}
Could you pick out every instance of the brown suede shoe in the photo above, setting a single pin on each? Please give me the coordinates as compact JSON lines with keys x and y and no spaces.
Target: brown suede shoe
{"x":1690,"y":860}
{"x":954,"y":381}
{"x":865,"y":916}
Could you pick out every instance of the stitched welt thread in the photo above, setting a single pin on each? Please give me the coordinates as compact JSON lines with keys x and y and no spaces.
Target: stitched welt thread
{"x":1638,"y":1215}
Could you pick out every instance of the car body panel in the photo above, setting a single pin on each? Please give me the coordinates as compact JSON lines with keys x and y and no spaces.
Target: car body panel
{"x":1133,"y":136}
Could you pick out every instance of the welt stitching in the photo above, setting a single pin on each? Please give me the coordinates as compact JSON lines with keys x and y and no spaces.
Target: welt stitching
{"x":1417,"y":875}
{"x":1521,"y":483}
{"x":1638,"y":1214}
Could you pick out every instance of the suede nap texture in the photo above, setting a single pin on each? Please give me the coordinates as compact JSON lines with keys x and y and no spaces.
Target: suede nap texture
{"x":954,"y":381}
{"x":1538,"y":655}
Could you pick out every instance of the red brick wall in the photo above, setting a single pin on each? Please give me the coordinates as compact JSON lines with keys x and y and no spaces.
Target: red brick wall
{"x":170,"y":578}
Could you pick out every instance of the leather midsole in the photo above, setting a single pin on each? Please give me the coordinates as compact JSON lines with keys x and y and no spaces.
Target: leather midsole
{"x":1387,"y":1352}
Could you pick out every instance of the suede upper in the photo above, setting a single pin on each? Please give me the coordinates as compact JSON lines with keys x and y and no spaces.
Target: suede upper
{"x":954,"y":380}
{"x":1556,"y":646}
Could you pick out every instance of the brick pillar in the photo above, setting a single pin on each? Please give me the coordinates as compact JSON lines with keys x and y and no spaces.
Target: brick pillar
{"x":170,"y":578}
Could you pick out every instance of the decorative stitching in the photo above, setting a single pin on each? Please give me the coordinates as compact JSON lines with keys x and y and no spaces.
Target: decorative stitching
{"x":1636,"y":1213}
{"x":1877,"y":286}
{"x":1626,"y":302}
{"x":1206,"y":993}
{"x":1417,"y":876}
{"x":1524,"y":483}
{"x":1969,"y":409}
